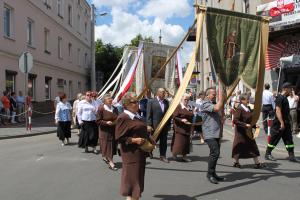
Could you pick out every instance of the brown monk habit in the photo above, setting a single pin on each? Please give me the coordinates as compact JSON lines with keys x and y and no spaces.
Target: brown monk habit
{"x":181,"y":138}
{"x":107,"y":132}
{"x":133,"y":158}
{"x":243,"y":146}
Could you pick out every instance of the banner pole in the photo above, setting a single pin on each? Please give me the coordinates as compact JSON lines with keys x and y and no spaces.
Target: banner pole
{"x":167,"y":61}
{"x":201,"y":10}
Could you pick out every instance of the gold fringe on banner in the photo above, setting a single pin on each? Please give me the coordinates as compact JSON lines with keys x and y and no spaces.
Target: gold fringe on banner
{"x":264,"y":37}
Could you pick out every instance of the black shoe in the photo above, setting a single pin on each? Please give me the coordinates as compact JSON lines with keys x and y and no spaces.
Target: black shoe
{"x":259,"y":165}
{"x":212,"y":179}
{"x":293,"y":159}
{"x":237,"y":165}
{"x":86,"y":150}
{"x":219,"y":178}
{"x":151,"y":155}
{"x":269,"y":157}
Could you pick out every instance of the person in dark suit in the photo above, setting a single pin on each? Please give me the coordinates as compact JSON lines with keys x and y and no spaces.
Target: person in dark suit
{"x":156,"y":109}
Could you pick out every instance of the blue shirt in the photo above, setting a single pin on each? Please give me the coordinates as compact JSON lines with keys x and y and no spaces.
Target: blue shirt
{"x":63,"y":112}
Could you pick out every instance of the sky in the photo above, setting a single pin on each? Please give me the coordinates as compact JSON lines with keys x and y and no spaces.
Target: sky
{"x":127,"y":18}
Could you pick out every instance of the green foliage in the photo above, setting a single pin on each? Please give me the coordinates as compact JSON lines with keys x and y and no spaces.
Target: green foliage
{"x":135,"y":41}
{"x":108,"y":56}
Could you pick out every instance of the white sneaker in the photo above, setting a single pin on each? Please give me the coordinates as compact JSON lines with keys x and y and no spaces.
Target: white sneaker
{"x":62,"y":144}
{"x":298,"y":135}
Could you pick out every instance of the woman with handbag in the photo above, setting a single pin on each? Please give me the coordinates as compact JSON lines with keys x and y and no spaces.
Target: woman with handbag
{"x":183,"y":117}
{"x":244,"y":145}
{"x":131,"y":133}
{"x":106,"y":119}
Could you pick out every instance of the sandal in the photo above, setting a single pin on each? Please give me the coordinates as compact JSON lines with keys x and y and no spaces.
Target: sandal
{"x":237,"y":165}
{"x":105,"y":160}
{"x":112,"y":167}
{"x":259,"y":165}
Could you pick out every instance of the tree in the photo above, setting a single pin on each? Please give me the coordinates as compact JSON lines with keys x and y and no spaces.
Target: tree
{"x":107,"y":57}
{"x":135,"y":41}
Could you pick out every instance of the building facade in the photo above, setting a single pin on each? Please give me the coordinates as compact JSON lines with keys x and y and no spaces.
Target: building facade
{"x":57,"y":34}
{"x":284,"y":41}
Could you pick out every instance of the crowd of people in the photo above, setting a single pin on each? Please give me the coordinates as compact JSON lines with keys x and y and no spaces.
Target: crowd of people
{"x":125,"y":126}
{"x":12,"y":107}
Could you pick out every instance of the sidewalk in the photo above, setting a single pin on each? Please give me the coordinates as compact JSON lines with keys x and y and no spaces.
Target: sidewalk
{"x":40,"y":125}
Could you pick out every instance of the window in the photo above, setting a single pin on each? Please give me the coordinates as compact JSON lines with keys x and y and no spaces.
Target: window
{"x":70,"y":90}
{"x":78,"y":23}
{"x":32,"y":85}
{"x":70,"y":51}
{"x":85,"y":28}
{"x":70,"y":15}
{"x":78,"y":2}
{"x":7,"y":21}
{"x":48,"y":88}
{"x":46,"y":40}
{"x":78,"y":56}
{"x":59,"y":42}
{"x":60,"y":83}
{"x":48,"y":3}
{"x":85,"y":58}
{"x":79,"y":86}
{"x":30,"y":26}
{"x":10,"y":80}
{"x":60,"y":8}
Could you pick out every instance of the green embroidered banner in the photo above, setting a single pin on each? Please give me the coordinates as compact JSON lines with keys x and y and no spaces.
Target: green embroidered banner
{"x":234,"y":45}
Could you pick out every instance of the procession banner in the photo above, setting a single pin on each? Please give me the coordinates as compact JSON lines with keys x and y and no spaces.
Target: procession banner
{"x":187,"y":75}
{"x":236,"y":43}
{"x":116,"y":69}
{"x":116,"y":80}
{"x":167,"y":61}
{"x":179,"y":67}
{"x":130,"y":76}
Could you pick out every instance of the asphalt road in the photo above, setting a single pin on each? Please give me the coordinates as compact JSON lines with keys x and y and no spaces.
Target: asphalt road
{"x":39,"y":168}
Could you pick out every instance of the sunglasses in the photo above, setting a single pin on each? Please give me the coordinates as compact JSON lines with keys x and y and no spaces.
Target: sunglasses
{"x":88,"y":95}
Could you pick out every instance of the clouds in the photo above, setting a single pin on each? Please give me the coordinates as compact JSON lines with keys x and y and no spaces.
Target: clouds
{"x":126,"y":26}
{"x":112,"y":3}
{"x":131,"y":17}
{"x":164,"y":9}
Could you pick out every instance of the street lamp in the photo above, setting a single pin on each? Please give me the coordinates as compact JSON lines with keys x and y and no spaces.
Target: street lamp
{"x":93,"y":67}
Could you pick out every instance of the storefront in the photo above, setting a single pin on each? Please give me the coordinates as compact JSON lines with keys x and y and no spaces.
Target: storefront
{"x":284,"y":40}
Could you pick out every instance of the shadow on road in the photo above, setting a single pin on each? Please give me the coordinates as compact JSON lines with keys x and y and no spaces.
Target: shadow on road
{"x":264,"y":174}
{"x":174,"y":197}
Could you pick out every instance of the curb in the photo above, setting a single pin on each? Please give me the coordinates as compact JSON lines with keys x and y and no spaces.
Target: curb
{"x":26,"y":135}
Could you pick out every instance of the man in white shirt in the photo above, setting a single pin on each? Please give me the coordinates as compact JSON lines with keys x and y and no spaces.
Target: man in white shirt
{"x":293,"y":103}
{"x":267,"y":106}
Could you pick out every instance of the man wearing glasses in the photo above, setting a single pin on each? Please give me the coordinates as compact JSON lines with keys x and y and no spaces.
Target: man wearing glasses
{"x":156,"y":109}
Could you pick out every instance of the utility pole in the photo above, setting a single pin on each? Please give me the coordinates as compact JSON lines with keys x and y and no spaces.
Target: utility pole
{"x":93,"y":66}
